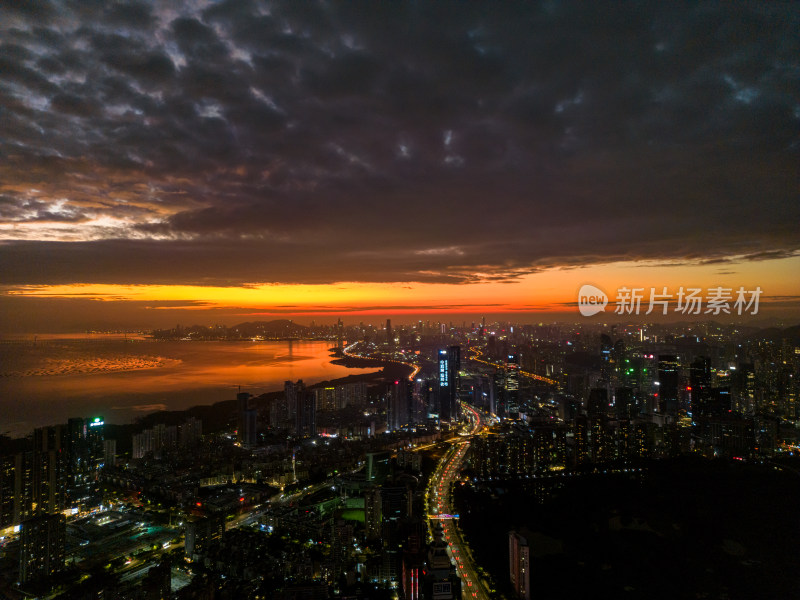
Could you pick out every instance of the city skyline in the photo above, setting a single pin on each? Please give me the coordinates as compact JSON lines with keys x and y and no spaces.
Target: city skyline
{"x":399,"y":300}
{"x":220,"y":162}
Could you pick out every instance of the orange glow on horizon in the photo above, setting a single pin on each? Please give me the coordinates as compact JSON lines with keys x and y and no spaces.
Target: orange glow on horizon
{"x":549,"y":291}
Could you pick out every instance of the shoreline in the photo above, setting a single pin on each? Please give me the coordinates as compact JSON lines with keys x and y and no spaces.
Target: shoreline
{"x":219,"y":412}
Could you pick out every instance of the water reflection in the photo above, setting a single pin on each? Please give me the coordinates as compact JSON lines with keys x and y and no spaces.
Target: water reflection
{"x":54,"y":379}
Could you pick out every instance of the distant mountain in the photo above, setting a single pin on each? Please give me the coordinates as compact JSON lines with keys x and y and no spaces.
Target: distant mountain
{"x":774,"y":334}
{"x":277,"y":328}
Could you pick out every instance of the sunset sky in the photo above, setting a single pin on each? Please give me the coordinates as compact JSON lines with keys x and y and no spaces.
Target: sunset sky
{"x":205,"y":162}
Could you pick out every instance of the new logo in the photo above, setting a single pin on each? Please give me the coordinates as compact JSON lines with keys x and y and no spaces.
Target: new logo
{"x":591,"y":300}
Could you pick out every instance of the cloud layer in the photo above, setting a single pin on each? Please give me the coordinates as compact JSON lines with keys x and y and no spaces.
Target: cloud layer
{"x":241,"y":141}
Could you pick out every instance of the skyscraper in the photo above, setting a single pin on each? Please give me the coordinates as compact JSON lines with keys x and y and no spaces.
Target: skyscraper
{"x":85,"y":453}
{"x":668,"y":383}
{"x":699,"y":386}
{"x":202,"y":532}
{"x":243,"y":404}
{"x":449,"y":383}
{"x":15,"y":492}
{"x":42,"y":541}
{"x":398,"y":404}
{"x":249,"y":428}
{"x":49,"y":469}
{"x":519,"y":559}
{"x":305,"y":413}
{"x":291,"y":391}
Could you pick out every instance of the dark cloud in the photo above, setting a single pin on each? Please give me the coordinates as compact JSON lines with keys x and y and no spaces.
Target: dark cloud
{"x":253,"y":141}
{"x":130,"y":15}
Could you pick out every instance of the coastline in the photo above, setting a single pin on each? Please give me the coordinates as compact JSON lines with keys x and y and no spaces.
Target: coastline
{"x":218,"y":413}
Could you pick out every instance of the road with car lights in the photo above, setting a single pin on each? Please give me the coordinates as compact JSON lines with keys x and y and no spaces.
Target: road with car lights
{"x":440,"y":505}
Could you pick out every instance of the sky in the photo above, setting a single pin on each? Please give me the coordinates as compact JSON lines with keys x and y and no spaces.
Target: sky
{"x":205,"y":162}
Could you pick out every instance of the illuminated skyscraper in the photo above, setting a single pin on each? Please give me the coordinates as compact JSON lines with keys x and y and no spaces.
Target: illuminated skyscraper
{"x":15,"y":488}
{"x":41,"y":553}
{"x":668,"y":383}
{"x":449,"y":383}
{"x":202,"y":532}
{"x":699,"y":386}
{"x":49,"y":469}
{"x":85,"y":453}
{"x":519,"y":559}
{"x":511,"y":385}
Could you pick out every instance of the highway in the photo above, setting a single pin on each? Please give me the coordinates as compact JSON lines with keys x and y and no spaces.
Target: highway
{"x":477,"y":355}
{"x":414,"y":368}
{"x":440,"y":504}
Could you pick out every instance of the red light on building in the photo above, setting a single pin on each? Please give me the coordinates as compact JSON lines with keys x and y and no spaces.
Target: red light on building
{"x":688,"y":388}
{"x":199,"y":504}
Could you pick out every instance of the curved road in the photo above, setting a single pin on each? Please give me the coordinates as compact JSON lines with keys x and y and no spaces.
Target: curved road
{"x":439,"y":497}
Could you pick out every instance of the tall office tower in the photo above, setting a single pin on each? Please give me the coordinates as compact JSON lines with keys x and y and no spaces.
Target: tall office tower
{"x":249,"y":433}
{"x":745,"y":389}
{"x":700,"y":385}
{"x":389,"y":332}
{"x":243,"y":401}
{"x":625,"y":403}
{"x":581,"y":431}
{"x":291,"y":391}
{"x":157,"y":584}
{"x":481,"y":392}
{"x":49,"y":470}
{"x":618,"y":356}
{"x":720,"y":402}
{"x":341,"y":543}
{"x":519,"y":558}
{"x":398,"y":405}
{"x":15,"y":488}
{"x":243,"y":405}
{"x":606,"y":346}
{"x":85,"y":452}
{"x":500,"y":394}
{"x":372,"y":513}
{"x":202,"y":532}
{"x":418,"y":410}
{"x":597,"y":404}
{"x":109,"y":452}
{"x":377,"y":467}
{"x":449,"y":383}
{"x":339,"y":334}
{"x":305,"y":423}
{"x":668,"y":383}
{"x":511,"y":384}
{"x":42,"y":541}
